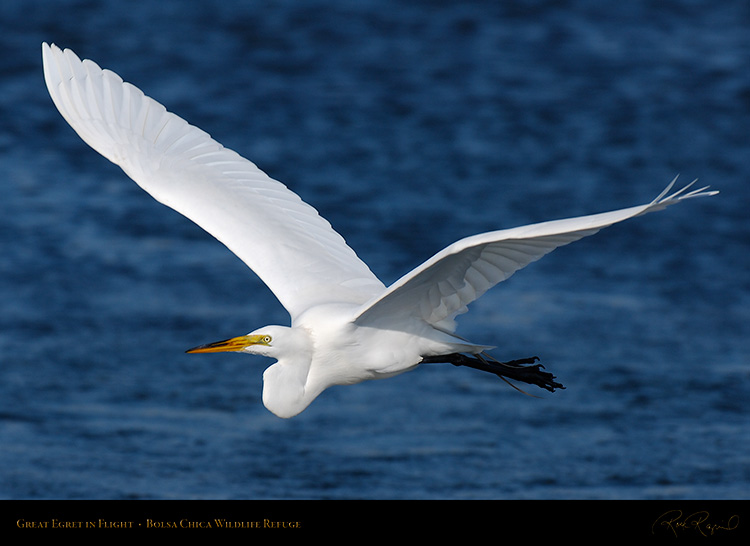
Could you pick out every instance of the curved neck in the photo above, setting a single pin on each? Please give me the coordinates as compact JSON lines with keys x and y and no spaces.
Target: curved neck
{"x":285,"y":383}
{"x":284,"y":388}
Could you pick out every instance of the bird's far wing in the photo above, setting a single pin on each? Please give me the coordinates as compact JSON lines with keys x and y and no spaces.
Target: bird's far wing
{"x":281,"y":238}
{"x":444,"y":285}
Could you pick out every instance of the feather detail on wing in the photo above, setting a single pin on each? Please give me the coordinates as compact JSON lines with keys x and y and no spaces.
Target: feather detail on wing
{"x":284,"y":240}
{"x":442,"y":287}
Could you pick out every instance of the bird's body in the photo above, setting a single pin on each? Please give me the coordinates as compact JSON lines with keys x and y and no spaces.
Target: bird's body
{"x":325,"y":347}
{"x":346,"y":325}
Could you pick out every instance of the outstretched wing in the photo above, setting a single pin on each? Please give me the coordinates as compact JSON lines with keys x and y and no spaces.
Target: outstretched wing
{"x":444,"y":285}
{"x":284,"y":240}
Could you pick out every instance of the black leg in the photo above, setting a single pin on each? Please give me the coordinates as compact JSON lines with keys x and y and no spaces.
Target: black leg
{"x":523,"y":369}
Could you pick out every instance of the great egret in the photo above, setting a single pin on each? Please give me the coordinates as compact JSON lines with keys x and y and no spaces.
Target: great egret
{"x":346,"y":325}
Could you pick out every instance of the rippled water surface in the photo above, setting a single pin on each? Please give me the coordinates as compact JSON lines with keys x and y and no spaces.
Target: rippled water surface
{"x":408,"y":125}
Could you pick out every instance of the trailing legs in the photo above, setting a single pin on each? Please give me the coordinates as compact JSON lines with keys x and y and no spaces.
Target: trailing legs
{"x":524,"y":369}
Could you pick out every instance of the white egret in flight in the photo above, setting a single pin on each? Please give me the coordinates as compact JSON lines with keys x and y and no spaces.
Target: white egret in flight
{"x":346,"y":325}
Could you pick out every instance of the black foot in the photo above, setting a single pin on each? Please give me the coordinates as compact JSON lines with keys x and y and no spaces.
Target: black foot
{"x":523,"y":369}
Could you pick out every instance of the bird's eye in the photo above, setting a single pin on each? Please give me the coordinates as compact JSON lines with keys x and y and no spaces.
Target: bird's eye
{"x":266,"y":339}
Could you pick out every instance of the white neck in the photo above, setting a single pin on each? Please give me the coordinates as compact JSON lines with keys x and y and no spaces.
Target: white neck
{"x":286,"y":389}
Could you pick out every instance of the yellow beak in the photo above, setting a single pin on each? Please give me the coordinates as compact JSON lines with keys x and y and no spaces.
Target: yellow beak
{"x":234,"y":344}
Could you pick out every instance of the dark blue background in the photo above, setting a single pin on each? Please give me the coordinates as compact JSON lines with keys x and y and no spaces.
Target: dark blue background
{"x":408,"y":125}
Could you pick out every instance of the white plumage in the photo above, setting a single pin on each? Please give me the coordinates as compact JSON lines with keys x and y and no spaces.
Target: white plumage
{"x":346,"y":325}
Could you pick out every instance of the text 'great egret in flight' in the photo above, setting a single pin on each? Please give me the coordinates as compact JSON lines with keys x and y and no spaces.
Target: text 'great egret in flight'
{"x":346,"y":325}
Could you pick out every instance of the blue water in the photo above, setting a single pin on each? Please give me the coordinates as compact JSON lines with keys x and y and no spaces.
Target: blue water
{"x":408,"y":125}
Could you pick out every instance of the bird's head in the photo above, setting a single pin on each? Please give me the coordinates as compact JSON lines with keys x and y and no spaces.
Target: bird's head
{"x":260,"y":342}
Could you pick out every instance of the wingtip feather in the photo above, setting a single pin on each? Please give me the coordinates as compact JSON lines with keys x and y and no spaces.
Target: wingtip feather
{"x":665,"y":198}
